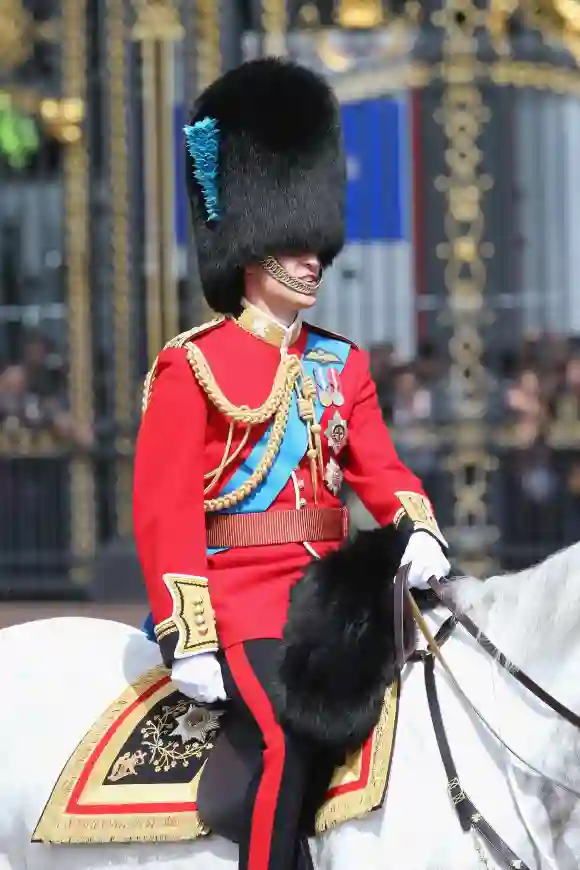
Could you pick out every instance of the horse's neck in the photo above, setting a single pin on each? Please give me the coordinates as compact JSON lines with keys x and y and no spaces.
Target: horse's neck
{"x":532,"y":617}
{"x":523,"y":724}
{"x":539,"y":736}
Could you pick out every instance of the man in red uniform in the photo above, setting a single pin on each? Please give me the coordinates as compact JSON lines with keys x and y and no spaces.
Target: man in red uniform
{"x":253,"y":421}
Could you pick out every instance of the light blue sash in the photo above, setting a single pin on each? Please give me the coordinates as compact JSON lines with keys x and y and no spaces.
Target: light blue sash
{"x":319,"y":350}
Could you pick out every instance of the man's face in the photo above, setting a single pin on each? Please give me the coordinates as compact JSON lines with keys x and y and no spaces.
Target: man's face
{"x":305,"y":267}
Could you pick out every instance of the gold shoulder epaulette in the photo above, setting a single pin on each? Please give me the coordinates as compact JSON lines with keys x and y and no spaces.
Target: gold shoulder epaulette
{"x":183,"y":337}
{"x":179,"y":341}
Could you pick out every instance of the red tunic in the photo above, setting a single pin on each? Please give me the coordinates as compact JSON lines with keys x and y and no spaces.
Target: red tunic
{"x":182,"y":438}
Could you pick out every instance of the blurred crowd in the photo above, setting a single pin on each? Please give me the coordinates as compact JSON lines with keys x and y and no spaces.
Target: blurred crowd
{"x":529,"y":389}
{"x":533,"y":403}
{"x":33,"y":395}
{"x":37,"y":432}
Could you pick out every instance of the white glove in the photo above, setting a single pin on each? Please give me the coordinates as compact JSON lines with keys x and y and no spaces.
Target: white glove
{"x":426,"y":558}
{"x":199,"y":677}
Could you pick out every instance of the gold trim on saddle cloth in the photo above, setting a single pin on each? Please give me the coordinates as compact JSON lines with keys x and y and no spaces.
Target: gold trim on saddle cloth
{"x":135,"y":774}
{"x":359,"y":786}
{"x":90,"y":805}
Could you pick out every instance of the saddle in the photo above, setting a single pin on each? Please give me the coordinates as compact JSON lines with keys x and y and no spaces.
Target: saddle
{"x":156,"y":766}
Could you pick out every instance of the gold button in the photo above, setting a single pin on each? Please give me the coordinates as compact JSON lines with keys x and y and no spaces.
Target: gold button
{"x":199,"y":620}
{"x":203,"y":631}
{"x":198,"y":608}
{"x":197,"y":601}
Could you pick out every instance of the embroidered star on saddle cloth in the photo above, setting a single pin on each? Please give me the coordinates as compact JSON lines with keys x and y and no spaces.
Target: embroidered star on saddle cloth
{"x":134,"y":776}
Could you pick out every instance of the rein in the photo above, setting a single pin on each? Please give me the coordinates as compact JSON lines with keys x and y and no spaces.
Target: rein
{"x":485,"y":643}
{"x":468,"y":815}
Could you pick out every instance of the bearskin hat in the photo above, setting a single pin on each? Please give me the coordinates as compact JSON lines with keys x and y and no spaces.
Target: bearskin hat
{"x":266,"y":173}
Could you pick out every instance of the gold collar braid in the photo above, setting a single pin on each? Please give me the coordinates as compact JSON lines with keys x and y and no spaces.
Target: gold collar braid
{"x":289,"y":377}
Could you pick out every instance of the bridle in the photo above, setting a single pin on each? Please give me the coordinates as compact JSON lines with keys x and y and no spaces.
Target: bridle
{"x":468,"y":815}
{"x":485,"y":643}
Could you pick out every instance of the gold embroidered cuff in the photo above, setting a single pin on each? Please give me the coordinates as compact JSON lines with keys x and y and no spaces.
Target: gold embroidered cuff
{"x":418,"y":510}
{"x":192,"y":617}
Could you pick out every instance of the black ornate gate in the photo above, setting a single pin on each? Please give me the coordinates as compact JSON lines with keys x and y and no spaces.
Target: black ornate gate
{"x":47,"y":503}
{"x":485,"y":407}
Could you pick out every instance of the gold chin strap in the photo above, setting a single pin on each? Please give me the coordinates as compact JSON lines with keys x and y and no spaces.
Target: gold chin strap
{"x":277,"y":271}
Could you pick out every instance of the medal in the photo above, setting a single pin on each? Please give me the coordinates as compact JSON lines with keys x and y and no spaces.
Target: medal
{"x":335,"y":392}
{"x":324,"y":395}
{"x":336,"y":433}
{"x":333,"y":476}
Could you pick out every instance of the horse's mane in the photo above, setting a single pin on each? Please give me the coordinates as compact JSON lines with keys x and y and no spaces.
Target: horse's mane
{"x":527,"y":611}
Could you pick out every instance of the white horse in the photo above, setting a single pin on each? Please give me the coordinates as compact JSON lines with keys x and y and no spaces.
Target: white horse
{"x":58,"y":675}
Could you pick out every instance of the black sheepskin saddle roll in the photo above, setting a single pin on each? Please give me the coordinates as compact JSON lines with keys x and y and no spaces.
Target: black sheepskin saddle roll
{"x":337,"y":660}
{"x":339,"y":653}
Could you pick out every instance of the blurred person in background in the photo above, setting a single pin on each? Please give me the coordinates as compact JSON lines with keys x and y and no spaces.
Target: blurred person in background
{"x":531,"y":501}
{"x":571,"y":386}
{"x":412,"y":417}
{"x":43,"y":366}
{"x":225,"y":496}
{"x":412,"y":402}
{"x":428,"y":363}
{"x":382,"y":361}
{"x":525,"y":401}
{"x":32,"y":396}
{"x":535,"y":512}
{"x":33,"y":486}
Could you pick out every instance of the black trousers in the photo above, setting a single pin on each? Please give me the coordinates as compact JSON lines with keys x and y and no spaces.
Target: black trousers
{"x":290,"y":777}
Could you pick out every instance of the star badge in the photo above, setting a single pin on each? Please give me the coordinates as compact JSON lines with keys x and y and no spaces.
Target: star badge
{"x":333,"y":476}
{"x":197,"y":724}
{"x":336,"y":432}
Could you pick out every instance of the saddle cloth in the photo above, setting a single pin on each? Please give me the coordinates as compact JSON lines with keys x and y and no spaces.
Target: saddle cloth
{"x":134,"y":776}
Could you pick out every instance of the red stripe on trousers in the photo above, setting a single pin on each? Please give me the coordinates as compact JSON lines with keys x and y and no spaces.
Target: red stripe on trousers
{"x":258,"y":703}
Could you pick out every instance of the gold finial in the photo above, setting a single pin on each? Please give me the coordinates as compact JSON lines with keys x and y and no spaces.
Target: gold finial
{"x":360,"y":14}
{"x":157,"y":20}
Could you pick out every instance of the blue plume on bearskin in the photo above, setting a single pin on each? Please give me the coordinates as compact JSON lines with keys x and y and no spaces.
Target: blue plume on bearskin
{"x":203,"y":145}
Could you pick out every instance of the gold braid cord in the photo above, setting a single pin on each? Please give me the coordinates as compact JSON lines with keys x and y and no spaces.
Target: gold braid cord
{"x":289,"y":378}
{"x":227,"y":459}
{"x":277,"y":405}
{"x":148,"y":386}
{"x":242,"y":413}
